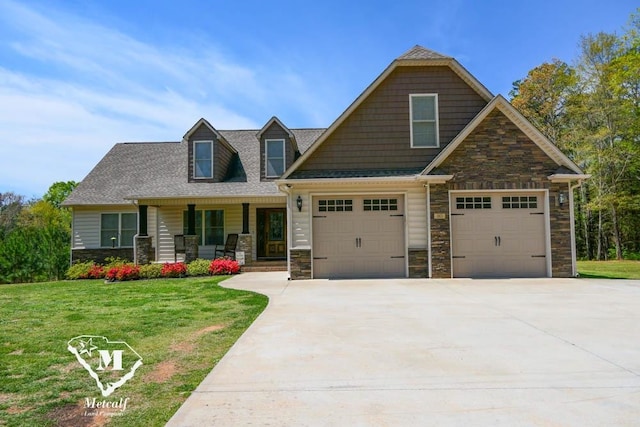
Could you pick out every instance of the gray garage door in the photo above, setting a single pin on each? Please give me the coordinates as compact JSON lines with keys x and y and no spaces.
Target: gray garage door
{"x":498,"y":235}
{"x":358,"y":236}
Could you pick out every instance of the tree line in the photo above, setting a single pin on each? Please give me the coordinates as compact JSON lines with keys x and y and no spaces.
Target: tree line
{"x":591,"y":110}
{"x":35,"y":236}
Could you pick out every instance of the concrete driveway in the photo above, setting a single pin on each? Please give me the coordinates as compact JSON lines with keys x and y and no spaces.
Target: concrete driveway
{"x":408,"y":352}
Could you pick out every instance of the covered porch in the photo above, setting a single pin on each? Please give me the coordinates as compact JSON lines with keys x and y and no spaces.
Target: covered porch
{"x":259,"y":222}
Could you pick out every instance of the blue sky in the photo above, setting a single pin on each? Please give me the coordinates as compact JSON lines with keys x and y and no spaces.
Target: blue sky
{"x":77,"y":76}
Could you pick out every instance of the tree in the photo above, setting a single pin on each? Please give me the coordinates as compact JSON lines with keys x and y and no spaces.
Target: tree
{"x":11,"y":205}
{"x":542,"y":97}
{"x":58,"y":192}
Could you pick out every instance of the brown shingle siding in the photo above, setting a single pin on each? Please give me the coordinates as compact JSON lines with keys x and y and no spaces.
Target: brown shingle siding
{"x":275,"y":131}
{"x":377,"y":133}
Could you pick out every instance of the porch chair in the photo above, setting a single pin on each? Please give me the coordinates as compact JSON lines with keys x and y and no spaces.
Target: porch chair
{"x":229,"y":248}
{"x":178,"y":246}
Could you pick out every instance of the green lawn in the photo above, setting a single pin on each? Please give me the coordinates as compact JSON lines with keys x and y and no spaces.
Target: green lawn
{"x":180,"y":327}
{"x":609,"y":269}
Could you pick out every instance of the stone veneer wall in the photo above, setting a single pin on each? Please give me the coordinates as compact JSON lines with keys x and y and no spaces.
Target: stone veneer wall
{"x":143,"y":250}
{"x":497,"y":155}
{"x":245,"y":244}
{"x":440,"y":233}
{"x":560,"y":220}
{"x":418,"y":263}
{"x":300,"y":263}
{"x":100,"y":255}
{"x":191,"y":248}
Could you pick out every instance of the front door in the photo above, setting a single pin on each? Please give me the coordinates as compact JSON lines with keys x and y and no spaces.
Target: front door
{"x":272,"y":232}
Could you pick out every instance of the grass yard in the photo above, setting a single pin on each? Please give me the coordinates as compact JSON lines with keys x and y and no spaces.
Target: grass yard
{"x":609,"y":269}
{"x":180,"y":327}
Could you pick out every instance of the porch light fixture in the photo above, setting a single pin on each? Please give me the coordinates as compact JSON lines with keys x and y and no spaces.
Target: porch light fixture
{"x":299,"y":203}
{"x":561,"y":198}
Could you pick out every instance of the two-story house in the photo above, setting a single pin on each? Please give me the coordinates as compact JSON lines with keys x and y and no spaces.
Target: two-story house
{"x":426,"y":174}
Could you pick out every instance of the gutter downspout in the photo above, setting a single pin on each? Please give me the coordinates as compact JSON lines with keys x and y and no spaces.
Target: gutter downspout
{"x":428,"y":190}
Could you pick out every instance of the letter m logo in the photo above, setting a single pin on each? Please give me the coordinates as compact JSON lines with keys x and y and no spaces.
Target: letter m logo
{"x":106,"y":358}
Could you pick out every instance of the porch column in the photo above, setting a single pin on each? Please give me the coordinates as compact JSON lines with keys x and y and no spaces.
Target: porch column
{"x":191,"y":220}
{"x":191,"y":238}
{"x":245,"y":218}
{"x":245,"y":240}
{"x":142,"y":220}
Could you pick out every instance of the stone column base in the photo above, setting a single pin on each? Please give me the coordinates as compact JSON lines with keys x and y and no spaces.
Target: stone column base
{"x":191,"y":248}
{"x":418,"y":263}
{"x":143,"y":250}
{"x":245,"y":244}
{"x":300,"y":260}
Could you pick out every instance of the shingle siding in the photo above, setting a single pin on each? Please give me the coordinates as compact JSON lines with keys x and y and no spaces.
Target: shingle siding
{"x":222,"y":155}
{"x":275,"y":131}
{"x":377,"y":133}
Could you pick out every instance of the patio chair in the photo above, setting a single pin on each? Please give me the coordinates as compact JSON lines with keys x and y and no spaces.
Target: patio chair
{"x":178,"y":246}
{"x":229,"y":248}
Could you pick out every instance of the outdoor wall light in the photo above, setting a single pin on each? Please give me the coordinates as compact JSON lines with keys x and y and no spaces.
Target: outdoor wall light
{"x":561,"y":198}
{"x":299,"y":203}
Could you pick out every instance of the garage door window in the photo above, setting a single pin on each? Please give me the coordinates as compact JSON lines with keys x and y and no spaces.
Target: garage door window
{"x":473,"y":202}
{"x":380,"y":205}
{"x":520,"y":202}
{"x":337,"y":205}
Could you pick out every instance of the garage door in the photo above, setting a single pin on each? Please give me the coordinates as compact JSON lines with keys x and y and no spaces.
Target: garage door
{"x":358,"y":236}
{"x":498,"y":235}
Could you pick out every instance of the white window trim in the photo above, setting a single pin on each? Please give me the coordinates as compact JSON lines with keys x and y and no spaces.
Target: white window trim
{"x":194,"y":159}
{"x":266,"y":157}
{"x":119,"y":238}
{"x":201,"y":242}
{"x":437,"y":118}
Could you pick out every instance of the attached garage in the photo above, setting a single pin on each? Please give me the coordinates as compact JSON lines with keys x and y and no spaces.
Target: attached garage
{"x":358,"y":236}
{"x":499,"y":234}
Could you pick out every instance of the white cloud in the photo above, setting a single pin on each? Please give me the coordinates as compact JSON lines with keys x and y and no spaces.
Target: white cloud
{"x":72,"y":88}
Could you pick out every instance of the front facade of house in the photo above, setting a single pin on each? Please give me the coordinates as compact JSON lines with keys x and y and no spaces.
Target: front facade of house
{"x":426,"y":174}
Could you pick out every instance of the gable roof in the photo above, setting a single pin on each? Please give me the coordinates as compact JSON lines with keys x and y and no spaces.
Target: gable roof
{"x":204,"y":122}
{"x":500,"y":103}
{"x":414,"y":57}
{"x":158,"y":170}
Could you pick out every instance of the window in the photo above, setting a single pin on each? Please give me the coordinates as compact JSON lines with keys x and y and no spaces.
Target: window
{"x":335,"y":205}
{"x":380,"y":205}
{"x":209,"y":226}
{"x":520,"y":202}
{"x":473,"y":202}
{"x":117,"y":229}
{"x":424,"y":121}
{"x":274,"y":157}
{"x":203,"y":159}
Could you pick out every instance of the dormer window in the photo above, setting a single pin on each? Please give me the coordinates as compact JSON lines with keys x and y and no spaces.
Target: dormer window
{"x":203,"y":159}
{"x":274,"y":157}
{"x":424,"y":121}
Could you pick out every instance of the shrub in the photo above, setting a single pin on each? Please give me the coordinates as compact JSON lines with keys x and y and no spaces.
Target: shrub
{"x":178,"y":269}
{"x":123,"y":272}
{"x":198,"y":267}
{"x":224,"y":266}
{"x":150,"y":271}
{"x":115,"y":262}
{"x":85,"y":270}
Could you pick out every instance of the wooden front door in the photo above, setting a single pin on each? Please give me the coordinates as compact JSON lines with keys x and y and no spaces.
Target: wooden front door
{"x":272,"y":232}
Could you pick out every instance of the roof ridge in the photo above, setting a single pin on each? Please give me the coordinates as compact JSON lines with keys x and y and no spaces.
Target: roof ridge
{"x":420,"y":52}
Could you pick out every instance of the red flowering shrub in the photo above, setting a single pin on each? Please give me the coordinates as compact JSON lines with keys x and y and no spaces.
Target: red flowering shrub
{"x":96,"y":272}
{"x":224,"y":266}
{"x":178,"y":269}
{"x":123,"y":272}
